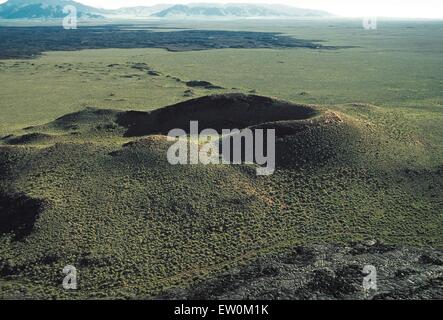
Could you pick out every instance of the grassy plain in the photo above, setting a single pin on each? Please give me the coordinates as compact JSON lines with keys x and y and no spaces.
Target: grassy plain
{"x":398,"y":65}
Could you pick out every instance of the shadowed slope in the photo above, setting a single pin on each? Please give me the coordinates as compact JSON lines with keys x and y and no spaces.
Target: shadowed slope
{"x":18,"y":214}
{"x":217,"y":112}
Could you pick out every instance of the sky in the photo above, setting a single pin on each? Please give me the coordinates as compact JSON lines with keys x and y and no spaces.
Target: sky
{"x":347,"y":8}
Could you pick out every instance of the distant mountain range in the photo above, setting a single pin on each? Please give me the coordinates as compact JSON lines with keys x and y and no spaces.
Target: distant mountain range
{"x":138,"y":12}
{"x":45,"y":9}
{"x":53,"y":9}
{"x":236,"y":11}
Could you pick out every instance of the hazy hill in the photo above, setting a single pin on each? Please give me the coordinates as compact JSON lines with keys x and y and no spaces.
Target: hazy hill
{"x":44,"y":9}
{"x":236,"y":10}
{"x":139,"y":11}
{"x":53,"y":9}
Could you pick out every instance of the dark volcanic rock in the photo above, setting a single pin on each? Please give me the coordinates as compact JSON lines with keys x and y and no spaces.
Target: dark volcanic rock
{"x":328,"y":272}
{"x":202,"y":84}
{"x":29,"y":42}
{"x":154,"y":73}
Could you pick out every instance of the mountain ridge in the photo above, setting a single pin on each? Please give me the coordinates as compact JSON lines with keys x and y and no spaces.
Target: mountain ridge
{"x":237,"y":10}
{"x":45,"y":9}
{"x":53,"y":9}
